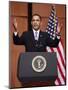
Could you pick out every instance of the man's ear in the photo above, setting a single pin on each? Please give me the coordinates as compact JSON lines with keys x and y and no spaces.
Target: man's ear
{"x":31,"y":22}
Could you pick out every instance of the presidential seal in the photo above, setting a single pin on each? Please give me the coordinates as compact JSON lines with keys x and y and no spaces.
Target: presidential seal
{"x":39,"y":63}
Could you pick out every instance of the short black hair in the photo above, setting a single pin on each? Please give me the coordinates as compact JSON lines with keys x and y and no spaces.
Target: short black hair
{"x":36,"y":15}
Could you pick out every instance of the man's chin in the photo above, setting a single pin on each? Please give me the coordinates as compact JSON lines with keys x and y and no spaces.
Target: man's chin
{"x":36,"y":29}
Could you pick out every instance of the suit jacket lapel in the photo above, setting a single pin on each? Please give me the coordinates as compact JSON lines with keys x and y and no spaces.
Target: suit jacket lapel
{"x":40,"y":35}
{"x":32,"y":38}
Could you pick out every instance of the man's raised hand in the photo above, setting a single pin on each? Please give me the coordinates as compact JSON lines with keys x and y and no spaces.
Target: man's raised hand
{"x":15,"y":24}
{"x":59,"y":27}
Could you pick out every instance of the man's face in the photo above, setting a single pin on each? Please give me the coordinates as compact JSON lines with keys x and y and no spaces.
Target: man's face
{"x":36,"y":22}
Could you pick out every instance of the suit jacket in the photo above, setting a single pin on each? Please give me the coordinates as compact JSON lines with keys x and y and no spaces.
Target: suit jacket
{"x":32,"y":45}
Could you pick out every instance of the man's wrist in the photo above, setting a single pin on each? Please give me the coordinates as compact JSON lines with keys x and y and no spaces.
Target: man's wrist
{"x":15,"y":33}
{"x":58,"y":35}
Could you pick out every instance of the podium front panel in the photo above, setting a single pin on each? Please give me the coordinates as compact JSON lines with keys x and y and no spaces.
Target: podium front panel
{"x":41,"y":71}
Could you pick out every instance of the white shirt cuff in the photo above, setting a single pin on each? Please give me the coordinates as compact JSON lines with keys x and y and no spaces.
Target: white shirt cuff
{"x":58,"y":37}
{"x":15,"y":33}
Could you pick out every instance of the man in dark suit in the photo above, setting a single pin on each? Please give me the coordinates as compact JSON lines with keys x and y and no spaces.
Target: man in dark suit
{"x":35,"y":40}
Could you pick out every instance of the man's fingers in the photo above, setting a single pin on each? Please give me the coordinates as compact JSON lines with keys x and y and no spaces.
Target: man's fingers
{"x":15,"y":24}
{"x":60,"y":25}
{"x":54,"y":6}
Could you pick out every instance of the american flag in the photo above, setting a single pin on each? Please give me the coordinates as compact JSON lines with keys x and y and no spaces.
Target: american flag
{"x":61,"y":64}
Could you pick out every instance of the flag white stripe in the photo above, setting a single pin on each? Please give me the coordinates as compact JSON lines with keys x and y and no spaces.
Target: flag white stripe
{"x":56,"y":82}
{"x":60,"y":61}
{"x":58,"y":58}
{"x":62,"y":51}
{"x":61,"y":79}
{"x":61,"y":66}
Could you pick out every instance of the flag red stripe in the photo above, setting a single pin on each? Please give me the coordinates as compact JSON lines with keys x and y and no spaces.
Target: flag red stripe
{"x":59,"y":81}
{"x":62,"y":50}
{"x":62,"y":46}
{"x":61,"y":56}
{"x":61,"y":71}
{"x":59,"y":68}
{"x":52,"y":49}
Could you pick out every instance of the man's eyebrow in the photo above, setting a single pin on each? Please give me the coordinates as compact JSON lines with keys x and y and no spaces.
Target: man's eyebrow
{"x":36,"y":19}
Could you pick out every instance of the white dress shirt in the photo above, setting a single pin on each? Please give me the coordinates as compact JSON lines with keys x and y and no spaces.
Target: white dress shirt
{"x":36,"y":34}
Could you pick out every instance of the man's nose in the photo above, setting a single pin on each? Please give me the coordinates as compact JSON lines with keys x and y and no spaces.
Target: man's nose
{"x":35,"y":22}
